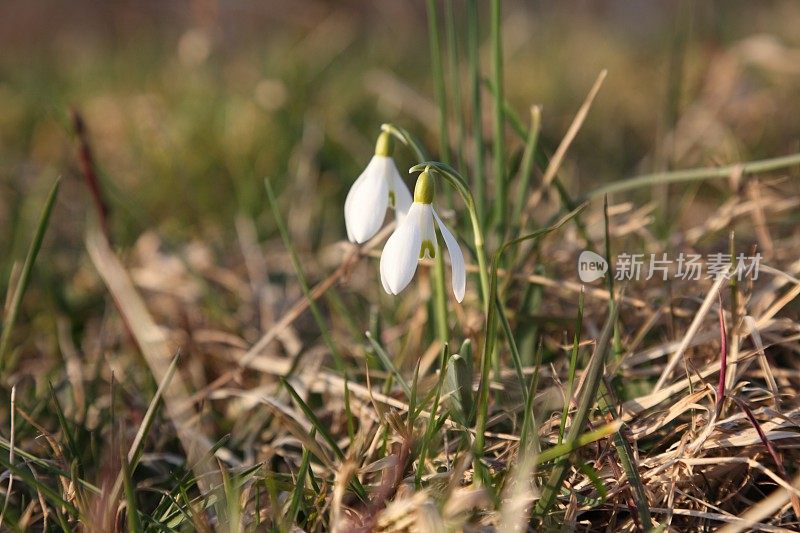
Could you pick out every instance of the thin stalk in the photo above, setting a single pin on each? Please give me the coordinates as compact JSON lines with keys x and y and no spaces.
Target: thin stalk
{"x":723,"y":360}
{"x":543,"y":161}
{"x":512,"y":344}
{"x":566,"y":448}
{"x":323,"y":431}
{"x":297,"y":494}
{"x":499,"y":122}
{"x":389,"y":366}
{"x":440,"y":295}
{"x":479,"y":181}
{"x":697,"y":174}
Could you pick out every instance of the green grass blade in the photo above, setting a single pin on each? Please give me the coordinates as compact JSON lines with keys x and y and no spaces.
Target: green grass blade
{"x":697,"y":174}
{"x":301,"y":277}
{"x":351,"y":429}
{"x":69,"y":438}
{"x":530,"y":429}
{"x":587,"y":398}
{"x":51,"y":494}
{"x":25,"y":274}
{"x":512,"y":344}
{"x":473,"y":66}
{"x":432,"y":422}
{"x":626,"y":457}
{"x":573,"y":364}
{"x":131,"y":513}
{"x":437,"y":73}
{"x":500,"y":195}
{"x":455,"y":80}
{"x":528,"y":158}
{"x":482,"y":405}
{"x":319,"y":426}
{"x":297,"y":493}
{"x":323,"y":431}
{"x":389,"y":366}
{"x":137,"y":446}
{"x":570,"y":445}
{"x":458,"y":384}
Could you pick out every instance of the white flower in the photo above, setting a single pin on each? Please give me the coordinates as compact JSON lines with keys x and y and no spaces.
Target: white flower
{"x":378,"y":187}
{"x":414,"y":239}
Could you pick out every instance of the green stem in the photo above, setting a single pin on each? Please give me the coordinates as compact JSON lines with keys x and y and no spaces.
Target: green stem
{"x":490,"y":339}
{"x":440,"y":296}
{"x":438,"y":80}
{"x":528,"y":157}
{"x":479,"y":183}
{"x":455,"y":81}
{"x":499,"y":140}
{"x":439,"y":287}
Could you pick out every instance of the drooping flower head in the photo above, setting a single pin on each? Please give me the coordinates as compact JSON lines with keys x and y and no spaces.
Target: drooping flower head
{"x":415,"y":239}
{"x":378,"y":187}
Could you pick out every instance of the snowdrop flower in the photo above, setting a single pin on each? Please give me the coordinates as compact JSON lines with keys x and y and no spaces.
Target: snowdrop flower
{"x":414,"y":239}
{"x":378,"y":187}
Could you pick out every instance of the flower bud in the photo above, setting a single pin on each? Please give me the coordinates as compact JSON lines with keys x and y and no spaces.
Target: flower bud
{"x":385,"y":144}
{"x":423,"y":190}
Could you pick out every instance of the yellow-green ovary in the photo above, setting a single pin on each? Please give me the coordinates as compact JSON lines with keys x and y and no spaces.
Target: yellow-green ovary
{"x":429,"y":247}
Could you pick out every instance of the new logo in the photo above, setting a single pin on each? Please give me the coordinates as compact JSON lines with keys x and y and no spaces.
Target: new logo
{"x":591,"y":266}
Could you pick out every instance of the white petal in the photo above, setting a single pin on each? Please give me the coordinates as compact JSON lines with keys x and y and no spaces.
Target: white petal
{"x":402,"y":196}
{"x":401,"y":253}
{"x":459,"y":274}
{"x":427,"y":230}
{"x":365,"y":206}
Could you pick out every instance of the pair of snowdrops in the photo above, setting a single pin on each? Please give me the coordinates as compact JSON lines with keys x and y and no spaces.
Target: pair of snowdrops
{"x":380,"y":187}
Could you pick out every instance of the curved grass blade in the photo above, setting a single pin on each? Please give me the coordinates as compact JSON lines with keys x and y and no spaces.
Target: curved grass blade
{"x":27,"y":268}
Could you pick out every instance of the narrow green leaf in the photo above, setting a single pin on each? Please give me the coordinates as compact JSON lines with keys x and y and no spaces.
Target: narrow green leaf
{"x":573,"y":364}
{"x":301,"y":278}
{"x":323,"y":431}
{"x":425,"y":445}
{"x":389,"y":366}
{"x":587,"y":397}
{"x":297,"y":493}
{"x":25,"y":274}
{"x":131,"y":513}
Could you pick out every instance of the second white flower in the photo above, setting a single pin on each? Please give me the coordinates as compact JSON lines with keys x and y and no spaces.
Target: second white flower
{"x":415,"y":239}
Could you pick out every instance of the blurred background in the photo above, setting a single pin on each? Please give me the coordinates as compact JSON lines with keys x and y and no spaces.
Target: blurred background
{"x":190,"y":105}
